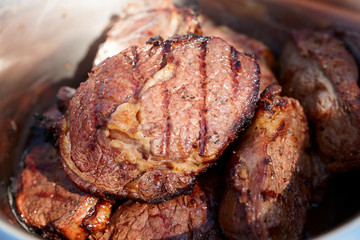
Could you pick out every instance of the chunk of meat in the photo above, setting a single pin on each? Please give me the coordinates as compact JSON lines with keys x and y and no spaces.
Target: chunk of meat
{"x":269,"y":172}
{"x":163,"y":20}
{"x":47,"y":200}
{"x":149,"y":119}
{"x":191,"y":216}
{"x":245,"y":44}
{"x":317,"y":70}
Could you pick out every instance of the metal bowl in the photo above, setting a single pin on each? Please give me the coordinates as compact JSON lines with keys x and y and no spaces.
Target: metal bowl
{"x":46,"y":44}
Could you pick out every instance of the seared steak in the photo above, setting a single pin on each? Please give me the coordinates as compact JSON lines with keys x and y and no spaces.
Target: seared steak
{"x":191,"y":216}
{"x":149,"y":119}
{"x":267,"y":189}
{"x":317,"y":70}
{"x":48,"y":201}
{"x":243,"y":43}
{"x":163,"y":19}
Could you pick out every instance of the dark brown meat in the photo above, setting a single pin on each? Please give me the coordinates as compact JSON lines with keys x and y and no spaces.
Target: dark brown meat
{"x":163,"y":19}
{"x":267,"y":189}
{"x":47,"y":200}
{"x":191,"y":216}
{"x":243,"y":43}
{"x":149,"y":119}
{"x":317,"y":70}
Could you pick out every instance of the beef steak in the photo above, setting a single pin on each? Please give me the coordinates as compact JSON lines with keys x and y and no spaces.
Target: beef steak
{"x":163,"y":18}
{"x":48,"y":201}
{"x":193,"y":216}
{"x":269,"y":172}
{"x":149,"y":119}
{"x":317,"y":69}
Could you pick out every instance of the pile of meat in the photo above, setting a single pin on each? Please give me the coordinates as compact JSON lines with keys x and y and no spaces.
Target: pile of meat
{"x":182,"y":131}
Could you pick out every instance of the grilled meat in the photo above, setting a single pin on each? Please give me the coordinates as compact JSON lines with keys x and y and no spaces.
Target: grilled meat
{"x":149,"y":119}
{"x":269,"y":172}
{"x":192,"y":216}
{"x":317,"y":70}
{"x":47,"y":200}
{"x":163,"y":20}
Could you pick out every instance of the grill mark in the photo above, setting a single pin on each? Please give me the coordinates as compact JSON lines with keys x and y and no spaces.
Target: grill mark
{"x":156,"y":41}
{"x":138,"y":83}
{"x":166,"y":110}
{"x":166,"y":131}
{"x":203,"y":110}
{"x":235,"y":66}
{"x":166,"y":100}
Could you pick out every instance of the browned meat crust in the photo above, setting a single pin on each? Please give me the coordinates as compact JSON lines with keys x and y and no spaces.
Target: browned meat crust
{"x":191,"y":216}
{"x":267,"y":193}
{"x":151,"y":118}
{"x":243,"y":43}
{"x":47,"y":200}
{"x":317,"y":69}
{"x":163,"y":20}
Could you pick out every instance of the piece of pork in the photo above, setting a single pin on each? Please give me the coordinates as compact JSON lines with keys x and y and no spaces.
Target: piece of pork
{"x":149,"y":119}
{"x":317,"y":70}
{"x":268,"y":178}
{"x":47,"y":201}
{"x":163,"y":20}
{"x":243,"y":43}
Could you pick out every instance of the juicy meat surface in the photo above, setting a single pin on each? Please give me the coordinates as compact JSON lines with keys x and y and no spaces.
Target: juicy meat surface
{"x":47,"y":200}
{"x":192,"y":216}
{"x":243,"y":43}
{"x":163,"y":20}
{"x":317,"y":70}
{"x":149,"y":119}
{"x":266,"y":195}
